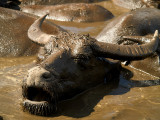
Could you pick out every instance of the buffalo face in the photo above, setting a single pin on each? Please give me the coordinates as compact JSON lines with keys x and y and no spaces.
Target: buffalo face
{"x":63,"y":73}
{"x":71,"y":63}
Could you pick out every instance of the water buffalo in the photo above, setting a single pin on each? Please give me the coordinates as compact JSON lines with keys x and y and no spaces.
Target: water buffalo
{"x":81,"y":12}
{"x":55,"y":2}
{"x":13,"y":33}
{"x":140,"y":24}
{"x":133,"y":4}
{"x":71,"y":63}
{"x":16,"y":4}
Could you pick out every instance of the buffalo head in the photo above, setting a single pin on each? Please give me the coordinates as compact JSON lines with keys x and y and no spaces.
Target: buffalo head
{"x":71,"y":63}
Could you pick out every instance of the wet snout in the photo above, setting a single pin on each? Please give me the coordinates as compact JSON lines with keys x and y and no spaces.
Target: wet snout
{"x":38,"y":75}
{"x":39,"y":93}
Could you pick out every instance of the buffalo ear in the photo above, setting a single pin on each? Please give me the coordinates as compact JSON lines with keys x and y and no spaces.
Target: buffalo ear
{"x":36,"y":34}
{"x":126,"y":52}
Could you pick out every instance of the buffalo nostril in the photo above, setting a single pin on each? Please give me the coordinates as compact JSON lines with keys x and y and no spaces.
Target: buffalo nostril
{"x":46,"y":75}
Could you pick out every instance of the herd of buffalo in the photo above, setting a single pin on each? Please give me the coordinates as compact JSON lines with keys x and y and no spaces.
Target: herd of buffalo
{"x":70,"y":63}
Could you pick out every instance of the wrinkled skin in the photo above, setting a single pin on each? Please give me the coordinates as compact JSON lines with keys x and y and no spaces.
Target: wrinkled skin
{"x":141,"y":23}
{"x":81,"y":12}
{"x":134,"y":4}
{"x":13,"y":33}
{"x":55,"y":2}
{"x":70,"y":64}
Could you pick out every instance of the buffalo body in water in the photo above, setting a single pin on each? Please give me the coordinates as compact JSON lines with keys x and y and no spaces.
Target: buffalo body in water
{"x":70,"y":64}
{"x":81,"y":12}
{"x":135,"y":27}
{"x":13,"y":33}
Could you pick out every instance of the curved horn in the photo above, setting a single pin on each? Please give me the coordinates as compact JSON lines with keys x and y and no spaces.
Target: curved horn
{"x":126,"y":52}
{"x":35,"y":33}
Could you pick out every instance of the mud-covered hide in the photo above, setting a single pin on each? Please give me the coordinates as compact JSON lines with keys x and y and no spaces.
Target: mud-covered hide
{"x":134,"y":4}
{"x":55,"y":2}
{"x":76,"y":12}
{"x":152,"y":3}
{"x":13,"y":33}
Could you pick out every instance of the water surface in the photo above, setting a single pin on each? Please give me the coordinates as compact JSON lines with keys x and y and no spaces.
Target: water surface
{"x":130,"y":101}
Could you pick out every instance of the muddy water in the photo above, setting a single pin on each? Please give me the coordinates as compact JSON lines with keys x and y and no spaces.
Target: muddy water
{"x":130,"y":101}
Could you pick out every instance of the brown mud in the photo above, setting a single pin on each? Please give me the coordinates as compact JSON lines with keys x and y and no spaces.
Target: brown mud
{"x":130,"y":101}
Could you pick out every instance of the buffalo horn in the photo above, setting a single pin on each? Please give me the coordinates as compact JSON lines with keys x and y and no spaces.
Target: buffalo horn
{"x":126,"y":52}
{"x":36,"y":34}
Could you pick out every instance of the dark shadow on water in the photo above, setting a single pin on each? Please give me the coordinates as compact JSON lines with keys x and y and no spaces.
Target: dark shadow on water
{"x":1,"y":118}
{"x":83,"y":104}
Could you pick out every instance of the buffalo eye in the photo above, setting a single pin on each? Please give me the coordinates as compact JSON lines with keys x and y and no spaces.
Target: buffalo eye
{"x":82,"y":60}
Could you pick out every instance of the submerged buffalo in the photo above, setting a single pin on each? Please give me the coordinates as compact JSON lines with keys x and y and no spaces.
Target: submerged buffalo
{"x":135,"y":27}
{"x":81,"y":12}
{"x":71,"y":63}
{"x":140,"y":22}
{"x":55,"y":2}
{"x":134,"y":4}
{"x":13,"y":33}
